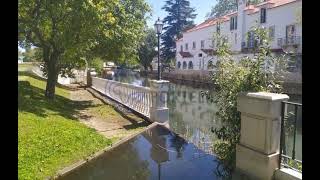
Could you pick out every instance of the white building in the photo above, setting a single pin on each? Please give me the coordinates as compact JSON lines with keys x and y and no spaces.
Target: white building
{"x":196,"y":49}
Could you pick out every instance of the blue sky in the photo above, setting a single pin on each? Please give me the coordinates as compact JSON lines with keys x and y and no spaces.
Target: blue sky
{"x":202,"y":8}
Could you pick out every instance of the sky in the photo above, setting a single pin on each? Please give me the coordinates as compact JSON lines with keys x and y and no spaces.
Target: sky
{"x":202,"y":8}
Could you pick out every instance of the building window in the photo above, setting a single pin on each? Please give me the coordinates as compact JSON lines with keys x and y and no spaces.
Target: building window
{"x":202,"y":44}
{"x":179,"y":64}
{"x":190,"y":65}
{"x":290,"y":34}
{"x":194,"y":45}
{"x":218,"y":27}
{"x":250,"y":39}
{"x":186,"y":46}
{"x":271,"y":32}
{"x":200,"y":54}
{"x":184,"y":65}
{"x":263,"y":15}
{"x":181,"y":48}
{"x":233,"y":23}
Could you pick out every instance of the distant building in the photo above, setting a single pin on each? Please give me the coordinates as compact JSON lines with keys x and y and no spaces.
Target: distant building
{"x":196,"y":49}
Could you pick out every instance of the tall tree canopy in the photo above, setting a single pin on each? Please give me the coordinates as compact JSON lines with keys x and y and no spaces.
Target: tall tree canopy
{"x":68,"y":30}
{"x":147,"y":48}
{"x":224,"y":7}
{"x":180,"y":18}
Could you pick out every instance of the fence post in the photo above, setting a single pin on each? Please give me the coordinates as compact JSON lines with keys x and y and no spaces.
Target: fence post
{"x":159,"y":111}
{"x":257,"y":154}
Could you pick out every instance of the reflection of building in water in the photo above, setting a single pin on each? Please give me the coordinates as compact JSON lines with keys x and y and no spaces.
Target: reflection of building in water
{"x":192,"y":116}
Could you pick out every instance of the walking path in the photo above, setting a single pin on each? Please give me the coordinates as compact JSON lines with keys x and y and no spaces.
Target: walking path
{"x":110,"y":120}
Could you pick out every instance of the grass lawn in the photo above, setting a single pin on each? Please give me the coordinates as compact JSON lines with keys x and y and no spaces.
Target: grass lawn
{"x":24,"y":67}
{"x":49,"y":137}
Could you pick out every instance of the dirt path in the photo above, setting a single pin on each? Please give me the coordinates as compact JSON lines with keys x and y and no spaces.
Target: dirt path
{"x":106,"y":119}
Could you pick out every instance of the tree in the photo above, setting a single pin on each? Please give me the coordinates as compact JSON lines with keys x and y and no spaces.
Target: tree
{"x":147,"y":48}
{"x":231,"y":78}
{"x":67,"y":31}
{"x":32,"y":55}
{"x":180,"y":18}
{"x":224,"y":7}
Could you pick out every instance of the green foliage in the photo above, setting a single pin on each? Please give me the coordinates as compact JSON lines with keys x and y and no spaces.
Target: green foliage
{"x":32,"y":55}
{"x":97,"y":63}
{"x":295,"y":164}
{"x":234,"y":77}
{"x":49,"y":137}
{"x":224,"y":7}
{"x":68,"y":31}
{"x":180,"y":18}
{"x":147,"y":48}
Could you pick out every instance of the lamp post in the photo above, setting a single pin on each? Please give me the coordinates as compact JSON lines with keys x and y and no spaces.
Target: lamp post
{"x":158,"y":27}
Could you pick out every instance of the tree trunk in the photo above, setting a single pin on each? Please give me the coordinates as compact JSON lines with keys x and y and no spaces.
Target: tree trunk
{"x":52,"y":73}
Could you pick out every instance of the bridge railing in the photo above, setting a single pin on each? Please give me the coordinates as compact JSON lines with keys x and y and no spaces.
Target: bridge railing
{"x":135,"y":97}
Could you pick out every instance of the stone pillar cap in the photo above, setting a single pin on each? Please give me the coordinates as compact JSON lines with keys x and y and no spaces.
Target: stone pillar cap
{"x":266,"y":96}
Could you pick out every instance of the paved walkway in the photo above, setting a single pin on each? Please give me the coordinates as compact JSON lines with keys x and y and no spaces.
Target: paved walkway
{"x":111,"y":121}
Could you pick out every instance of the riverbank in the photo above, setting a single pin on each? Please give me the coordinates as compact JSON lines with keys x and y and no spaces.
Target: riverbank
{"x":53,"y":134}
{"x":202,"y":79}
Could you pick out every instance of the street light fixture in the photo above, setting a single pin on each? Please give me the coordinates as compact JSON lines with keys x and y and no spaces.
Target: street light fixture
{"x":158,"y":25}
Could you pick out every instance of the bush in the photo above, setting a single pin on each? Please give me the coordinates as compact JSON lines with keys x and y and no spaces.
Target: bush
{"x":233,"y":77}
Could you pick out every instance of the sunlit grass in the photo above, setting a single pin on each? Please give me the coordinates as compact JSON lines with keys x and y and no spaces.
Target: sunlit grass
{"x":49,"y":138}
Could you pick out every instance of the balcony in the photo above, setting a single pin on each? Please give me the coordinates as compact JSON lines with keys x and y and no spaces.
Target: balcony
{"x":289,"y":41}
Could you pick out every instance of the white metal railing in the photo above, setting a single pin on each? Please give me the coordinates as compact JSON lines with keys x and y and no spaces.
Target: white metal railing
{"x":135,"y":97}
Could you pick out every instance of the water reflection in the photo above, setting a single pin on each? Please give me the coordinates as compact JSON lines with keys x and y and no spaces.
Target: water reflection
{"x":192,"y":116}
{"x":154,"y":154}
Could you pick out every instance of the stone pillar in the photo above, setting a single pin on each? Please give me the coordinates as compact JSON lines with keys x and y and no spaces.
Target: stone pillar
{"x":159,"y":111}
{"x":257,"y":154}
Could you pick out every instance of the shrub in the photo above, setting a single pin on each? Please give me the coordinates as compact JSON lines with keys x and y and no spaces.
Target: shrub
{"x":233,"y":77}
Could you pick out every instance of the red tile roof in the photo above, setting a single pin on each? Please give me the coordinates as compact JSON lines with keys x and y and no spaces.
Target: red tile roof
{"x":251,"y":10}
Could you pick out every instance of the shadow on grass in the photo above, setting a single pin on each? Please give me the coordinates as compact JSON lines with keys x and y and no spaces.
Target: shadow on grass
{"x":31,"y":99}
{"x":117,"y":107}
{"x":136,"y":125}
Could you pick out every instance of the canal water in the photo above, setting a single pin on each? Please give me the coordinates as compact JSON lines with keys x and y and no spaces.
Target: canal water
{"x":155,"y":154}
{"x":192,"y":116}
{"x":162,"y":154}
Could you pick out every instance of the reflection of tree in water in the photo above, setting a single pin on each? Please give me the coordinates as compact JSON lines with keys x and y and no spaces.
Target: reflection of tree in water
{"x":135,"y":167}
{"x":221,"y":171}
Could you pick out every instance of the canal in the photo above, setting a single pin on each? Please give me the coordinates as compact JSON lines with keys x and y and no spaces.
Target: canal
{"x":183,"y":152}
{"x":192,"y":116}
